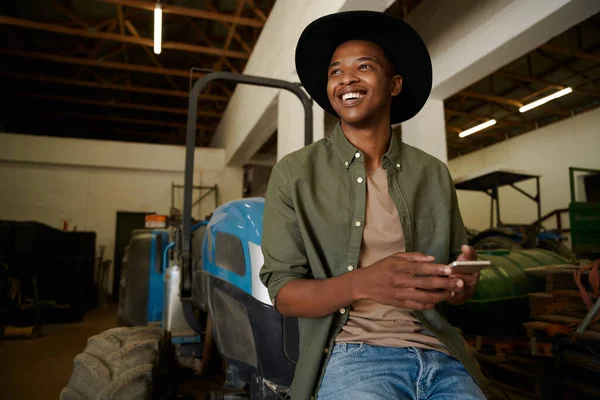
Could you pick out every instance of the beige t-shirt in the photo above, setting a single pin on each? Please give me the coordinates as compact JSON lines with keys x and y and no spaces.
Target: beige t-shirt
{"x":370,"y":322}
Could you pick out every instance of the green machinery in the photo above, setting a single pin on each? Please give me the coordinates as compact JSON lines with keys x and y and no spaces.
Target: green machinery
{"x":585,"y":214}
{"x":501,"y":305}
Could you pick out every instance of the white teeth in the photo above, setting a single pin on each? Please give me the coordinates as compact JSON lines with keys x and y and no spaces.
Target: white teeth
{"x":354,"y":95}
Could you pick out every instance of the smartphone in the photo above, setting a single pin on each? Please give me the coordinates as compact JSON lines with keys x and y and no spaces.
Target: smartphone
{"x":468,"y":267}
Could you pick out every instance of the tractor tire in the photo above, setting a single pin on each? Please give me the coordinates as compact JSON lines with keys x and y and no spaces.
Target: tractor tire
{"x":121,"y":363}
{"x":557,"y":247}
{"x":497,"y":242}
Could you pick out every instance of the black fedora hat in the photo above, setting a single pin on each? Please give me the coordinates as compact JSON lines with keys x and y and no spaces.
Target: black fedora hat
{"x":401,"y":43}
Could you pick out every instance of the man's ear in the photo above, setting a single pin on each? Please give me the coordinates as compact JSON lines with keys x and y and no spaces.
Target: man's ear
{"x":396,"y":85}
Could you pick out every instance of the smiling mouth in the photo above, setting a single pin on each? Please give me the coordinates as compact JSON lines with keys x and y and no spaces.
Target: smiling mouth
{"x":351,"y":98}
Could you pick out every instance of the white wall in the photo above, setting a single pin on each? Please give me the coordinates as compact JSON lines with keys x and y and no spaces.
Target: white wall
{"x":290,"y":122}
{"x":549,"y":152}
{"x":427,"y":130}
{"x":86,"y":182}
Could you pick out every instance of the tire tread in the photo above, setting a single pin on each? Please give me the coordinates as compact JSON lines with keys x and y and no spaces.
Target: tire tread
{"x":116,"y":364}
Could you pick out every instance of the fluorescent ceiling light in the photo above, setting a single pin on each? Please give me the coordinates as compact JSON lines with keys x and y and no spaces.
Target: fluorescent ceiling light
{"x":477,"y":128}
{"x":157,"y":29}
{"x":546,"y":99}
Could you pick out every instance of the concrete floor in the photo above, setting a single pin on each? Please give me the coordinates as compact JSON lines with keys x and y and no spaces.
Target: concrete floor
{"x":39,"y":368}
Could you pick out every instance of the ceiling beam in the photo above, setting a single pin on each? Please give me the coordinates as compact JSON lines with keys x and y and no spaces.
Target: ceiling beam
{"x":124,"y":45}
{"x":148,"y":52}
{"x":93,"y":53}
{"x":449,"y":111}
{"x":236,"y":35}
{"x":101,"y":63}
{"x":572,"y":53}
{"x":105,"y":23}
{"x":232,"y":28}
{"x":488,"y":97}
{"x":70,"y":14}
{"x":114,"y":104}
{"x":190,"y":12}
{"x":100,"y":133}
{"x":191,"y":48}
{"x":535,"y":94}
{"x":522,"y":78}
{"x":259,"y":13}
{"x":476,"y":117}
{"x":576,"y":73}
{"x":209,"y":41}
{"x":536,"y":79}
{"x":96,"y":117}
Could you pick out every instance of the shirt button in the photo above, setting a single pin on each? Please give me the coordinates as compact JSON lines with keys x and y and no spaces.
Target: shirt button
{"x":358,"y":223}
{"x":350,"y":268}
{"x":397,"y":165}
{"x":346,"y":163}
{"x":357,"y":155}
{"x":343,"y":311}
{"x":359,"y":180}
{"x":326,"y":350}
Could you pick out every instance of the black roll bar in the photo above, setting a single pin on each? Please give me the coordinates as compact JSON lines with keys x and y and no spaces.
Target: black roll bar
{"x":186,"y":267}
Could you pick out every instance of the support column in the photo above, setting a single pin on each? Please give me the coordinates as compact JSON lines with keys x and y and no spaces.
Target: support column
{"x":290,"y":122}
{"x":427,"y":130}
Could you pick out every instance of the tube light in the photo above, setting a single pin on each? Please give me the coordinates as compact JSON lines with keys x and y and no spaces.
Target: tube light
{"x":477,"y":128}
{"x":546,"y":99}
{"x":157,"y":29}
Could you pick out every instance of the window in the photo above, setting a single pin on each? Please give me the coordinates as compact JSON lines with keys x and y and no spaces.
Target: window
{"x":229,"y":253}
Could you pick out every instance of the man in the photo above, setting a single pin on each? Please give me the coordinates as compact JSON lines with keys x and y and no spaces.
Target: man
{"x":359,"y":227}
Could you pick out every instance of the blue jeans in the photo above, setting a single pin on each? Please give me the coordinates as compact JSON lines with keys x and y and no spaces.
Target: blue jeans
{"x":365,"y":372}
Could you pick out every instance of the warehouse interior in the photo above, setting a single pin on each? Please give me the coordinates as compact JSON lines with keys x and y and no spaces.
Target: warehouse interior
{"x":94,"y":121}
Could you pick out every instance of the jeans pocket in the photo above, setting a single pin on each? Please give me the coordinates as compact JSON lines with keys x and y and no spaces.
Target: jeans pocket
{"x":343,"y":351}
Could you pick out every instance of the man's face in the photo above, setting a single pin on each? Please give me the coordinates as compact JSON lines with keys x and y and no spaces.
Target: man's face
{"x":361,"y":82}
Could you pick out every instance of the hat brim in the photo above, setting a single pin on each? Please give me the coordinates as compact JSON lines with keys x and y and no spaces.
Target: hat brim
{"x":399,"y":41}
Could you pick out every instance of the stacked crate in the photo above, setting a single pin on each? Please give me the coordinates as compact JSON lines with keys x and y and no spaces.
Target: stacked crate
{"x":60,"y":264}
{"x":560,"y":308}
{"x":547,"y":361}
{"x":556,"y":314}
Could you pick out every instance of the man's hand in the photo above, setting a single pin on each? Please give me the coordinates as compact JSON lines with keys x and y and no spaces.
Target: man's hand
{"x":408,"y":280}
{"x":468,"y":254}
{"x":470,"y":280}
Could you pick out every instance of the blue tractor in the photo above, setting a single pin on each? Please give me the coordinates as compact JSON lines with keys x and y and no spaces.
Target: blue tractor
{"x":192,"y":281}
{"x":259,"y":344}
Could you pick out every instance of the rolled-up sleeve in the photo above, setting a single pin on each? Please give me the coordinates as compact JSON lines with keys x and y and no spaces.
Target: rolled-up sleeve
{"x":284,"y":254}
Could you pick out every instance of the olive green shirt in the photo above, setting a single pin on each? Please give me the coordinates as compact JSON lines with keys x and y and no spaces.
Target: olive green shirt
{"x":313,"y":228}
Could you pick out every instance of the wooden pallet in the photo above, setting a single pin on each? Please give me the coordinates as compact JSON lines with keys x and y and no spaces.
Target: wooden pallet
{"x":562,"y":302}
{"x":566,"y":320}
{"x":541,"y":329}
{"x":527,"y":377}
{"x":559,"y":277}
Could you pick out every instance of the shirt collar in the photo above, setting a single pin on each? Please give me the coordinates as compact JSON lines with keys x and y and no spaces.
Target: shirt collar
{"x":347,"y":151}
